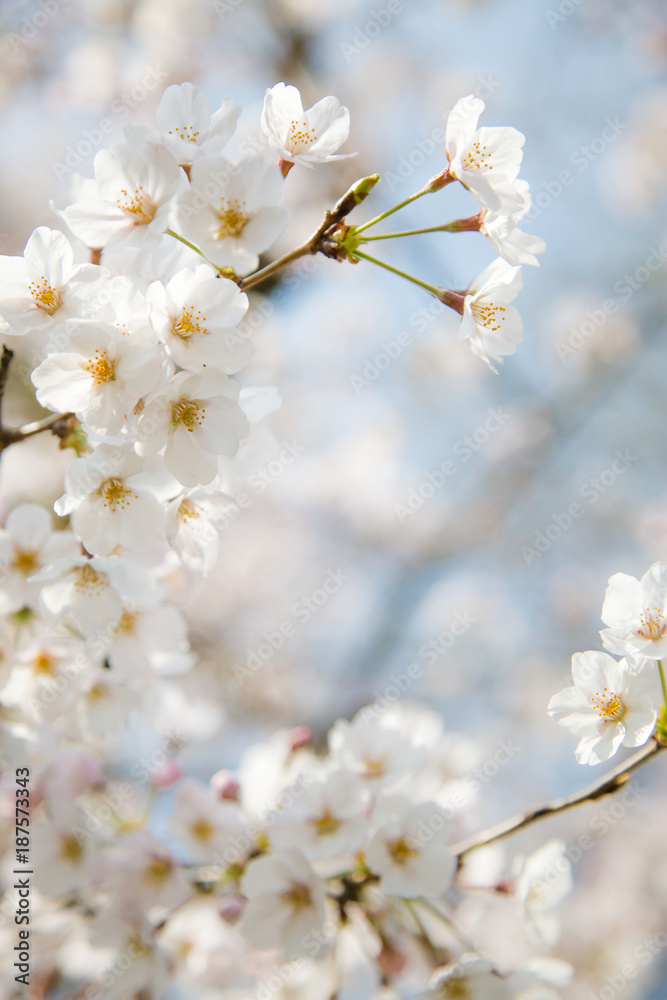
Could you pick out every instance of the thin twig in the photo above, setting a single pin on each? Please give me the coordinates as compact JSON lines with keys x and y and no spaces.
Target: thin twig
{"x":611,"y":782}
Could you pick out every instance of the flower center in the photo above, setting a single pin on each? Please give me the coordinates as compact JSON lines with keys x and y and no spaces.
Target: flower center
{"x":189,"y":323}
{"x":187,"y":509}
{"x":138,"y":205}
{"x":188,"y":413}
{"x":188,"y":132}
{"x":126,"y":622}
{"x":375,"y":768}
{"x":157,"y":870}
{"x":100,"y":367}
{"x":201,"y":829}
{"x":488,"y":314}
{"x":325,"y":824}
{"x":653,"y":624}
{"x":43,"y":663}
{"x":89,"y":580}
{"x":402,"y":850}
{"x":299,"y":137}
{"x":45,"y":296}
{"x":297,"y":897}
{"x":608,"y":705}
{"x":114,"y":494}
{"x":25,"y":561}
{"x":70,"y":849}
{"x":233,"y":219}
{"x":477,"y":158}
{"x":455,"y":989}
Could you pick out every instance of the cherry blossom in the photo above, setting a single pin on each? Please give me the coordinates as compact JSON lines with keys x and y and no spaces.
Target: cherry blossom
{"x":187,"y":127}
{"x":485,"y":160}
{"x":300,"y":136}
{"x":491,"y":325}
{"x":612,"y":704}
{"x":635,"y":612}
{"x":543,"y":879}
{"x":28,"y":542}
{"x":285,"y":902}
{"x":196,"y":315}
{"x":197,"y":418}
{"x":231,"y":210}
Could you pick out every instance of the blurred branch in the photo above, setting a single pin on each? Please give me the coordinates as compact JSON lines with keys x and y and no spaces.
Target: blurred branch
{"x":611,"y":783}
{"x":59,"y":424}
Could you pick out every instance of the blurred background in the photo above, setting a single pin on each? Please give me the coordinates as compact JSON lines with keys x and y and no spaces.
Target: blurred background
{"x":489,"y":584}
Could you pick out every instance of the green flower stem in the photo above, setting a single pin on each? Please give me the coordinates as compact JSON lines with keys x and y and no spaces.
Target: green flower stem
{"x":390,"y":211}
{"x":402,"y":274}
{"x":170,"y":232}
{"x":409,"y":232}
{"x":662,"y":681}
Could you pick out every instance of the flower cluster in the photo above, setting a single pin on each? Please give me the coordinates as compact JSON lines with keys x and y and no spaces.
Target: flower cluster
{"x":616,"y":703}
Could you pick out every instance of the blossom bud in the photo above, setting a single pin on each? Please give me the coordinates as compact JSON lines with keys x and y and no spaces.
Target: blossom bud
{"x":226,"y":785}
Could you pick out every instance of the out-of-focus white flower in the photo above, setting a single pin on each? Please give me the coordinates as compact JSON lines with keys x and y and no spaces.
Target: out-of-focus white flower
{"x":197,"y":418}
{"x":187,"y":127}
{"x":47,"y":676}
{"x":66,"y":862}
{"x":27,"y":544}
{"x":636,"y":613}
{"x":492,"y":327}
{"x":612,"y":704}
{"x":543,"y":880}
{"x":196,"y":316}
{"x":112,"y":501}
{"x":375,"y":748}
{"x":193,"y":525}
{"x":206,"y":825}
{"x":300,"y":136}
{"x":149,"y":639}
{"x":485,"y":160}
{"x":44,"y":287}
{"x":91,"y":589}
{"x":285,"y":903}
{"x":141,"y":872}
{"x":327,"y":819}
{"x":231,"y":210}
{"x":408,"y":848}
{"x":471,"y":978}
{"x":100,"y":375}
{"x":132,"y":200}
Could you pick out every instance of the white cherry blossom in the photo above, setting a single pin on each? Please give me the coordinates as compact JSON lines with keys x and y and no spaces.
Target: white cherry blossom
{"x":327,"y":819}
{"x":491,"y":325}
{"x":408,"y":847}
{"x":111,"y":497}
{"x":186,"y":126}
{"x":196,"y":316}
{"x":635,"y":612}
{"x":149,"y":639}
{"x":44,"y":287}
{"x":197,"y":418}
{"x":97,"y":373}
{"x":612,"y":704}
{"x":205,"y":825}
{"x":130,"y":204}
{"x":543,"y":880}
{"x":485,"y":160}
{"x":375,"y":748}
{"x":502,"y":231}
{"x":307,"y":137}
{"x":194,"y":523}
{"x":471,"y":978}
{"x":285,"y":902}
{"x":231,"y":210}
{"x":28,"y":542}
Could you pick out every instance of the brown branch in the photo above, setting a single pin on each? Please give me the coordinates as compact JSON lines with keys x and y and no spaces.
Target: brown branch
{"x":59,"y":424}
{"x":320,"y":241}
{"x":611,"y":782}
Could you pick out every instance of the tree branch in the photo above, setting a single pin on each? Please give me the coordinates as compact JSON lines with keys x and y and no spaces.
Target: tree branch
{"x":319,"y":242}
{"x":59,"y":423}
{"x":611,"y":782}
